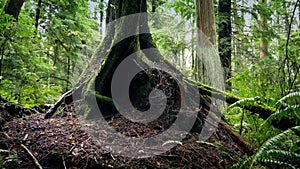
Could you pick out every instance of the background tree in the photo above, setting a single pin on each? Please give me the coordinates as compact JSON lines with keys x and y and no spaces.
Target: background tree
{"x":224,"y":38}
{"x":264,"y":16}
{"x":13,"y":8}
{"x":207,"y":27}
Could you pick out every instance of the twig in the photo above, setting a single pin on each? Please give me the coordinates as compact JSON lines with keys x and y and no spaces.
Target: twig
{"x":25,"y":137}
{"x":7,"y":136}
{"x":64,"y":163}
{"x":36,"y":162}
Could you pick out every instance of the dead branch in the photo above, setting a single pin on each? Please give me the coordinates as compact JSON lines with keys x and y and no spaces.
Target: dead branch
{"x":36,"y":162}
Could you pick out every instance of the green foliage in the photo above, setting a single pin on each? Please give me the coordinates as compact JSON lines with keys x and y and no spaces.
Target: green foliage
{"x":275,"y":75}
{"x":186,"y":8}
{"x":9,"y":158}
{"x":281,"y":149}
{"x":176,"y":39}
{"x":39,"y":64}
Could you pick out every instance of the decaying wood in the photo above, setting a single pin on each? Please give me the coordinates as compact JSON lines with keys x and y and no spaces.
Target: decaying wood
{"x":262,"y":111}
{"x":65,"y":98}
{"x":58,"y":103}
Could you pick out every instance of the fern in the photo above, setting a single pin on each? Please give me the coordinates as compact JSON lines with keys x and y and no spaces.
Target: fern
{"x":258,"y":101}
{"x":244,"y":102}
{"x":267,"y":155}
{"x":291,"y":111}
{"x":277,"y":163}
{"x":281,"y":153}
{"x":290,"y":96}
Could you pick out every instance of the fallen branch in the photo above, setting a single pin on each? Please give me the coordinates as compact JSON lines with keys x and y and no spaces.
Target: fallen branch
{"x":36,"y":162}
{"x":65,"y":98}
{"x":58,"y":103}
{"x":263,"y":111}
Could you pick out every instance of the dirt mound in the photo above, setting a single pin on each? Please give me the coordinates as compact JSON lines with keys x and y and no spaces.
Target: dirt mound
{"x":61,"y":142}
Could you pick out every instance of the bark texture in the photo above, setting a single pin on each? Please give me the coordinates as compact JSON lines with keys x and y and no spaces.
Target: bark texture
{"x":225,"y":31}
{"x":13,"y":8}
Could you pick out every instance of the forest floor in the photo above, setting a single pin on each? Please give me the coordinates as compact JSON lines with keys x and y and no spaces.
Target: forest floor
{"x":61,"y":142}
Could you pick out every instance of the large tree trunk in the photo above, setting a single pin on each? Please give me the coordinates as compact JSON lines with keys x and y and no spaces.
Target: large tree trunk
{"x":206,"y":19}
{"x":98,"y":84}
{"x":120,"y":47}
{"x":207,"y":30}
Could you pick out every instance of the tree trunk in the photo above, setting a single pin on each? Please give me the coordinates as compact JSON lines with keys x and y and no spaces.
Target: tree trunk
{"x":38,"y":13}
{"x":13,"y":8}
{"x":206,"y":19}
{"x":207,"y":30}
{"x":99,"y":85}
{"x":225,"y":37}
{"x":263,"y":47}
{"x":116,"y":53}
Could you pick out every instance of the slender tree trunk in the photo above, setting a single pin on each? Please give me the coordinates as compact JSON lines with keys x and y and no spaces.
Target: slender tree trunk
{"x":154,"y":3}
{"x":224,"y":39}
{"x":263,"y":47}
{"x":2,"y":57}
{"x":38,"y":13}
{"x":68,"y":73}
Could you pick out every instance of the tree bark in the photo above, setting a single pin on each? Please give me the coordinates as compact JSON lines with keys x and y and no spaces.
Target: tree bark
{"x":207,"y":30}
{"x":206,"y":19}
{"x":224,"y":39}
{"x":263,"y":47}
{"x":13,"y":8}
{"x":38,"y":13}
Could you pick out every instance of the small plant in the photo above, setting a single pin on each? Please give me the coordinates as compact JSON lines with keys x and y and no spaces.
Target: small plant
{"x":283,"y":149}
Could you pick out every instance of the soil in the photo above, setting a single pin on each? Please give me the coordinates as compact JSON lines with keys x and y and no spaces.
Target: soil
{"x":62,"y":142}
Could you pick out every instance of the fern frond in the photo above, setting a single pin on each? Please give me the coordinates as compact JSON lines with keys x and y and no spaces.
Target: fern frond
{"x":244,"y":102}
{"x":281,"y":105}
{"x":276,"y":139}
{"x":245,"y":163}
{"x":282,"y":153}
{"x":277,"y":163}
{"x":266,"y":156}
{"x":290,"y":96}
{"x":292,"y":112}
{"x":295,"y":147}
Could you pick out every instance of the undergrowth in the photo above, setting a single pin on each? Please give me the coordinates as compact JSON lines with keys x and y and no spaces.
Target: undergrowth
{"x":276,"y":148}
